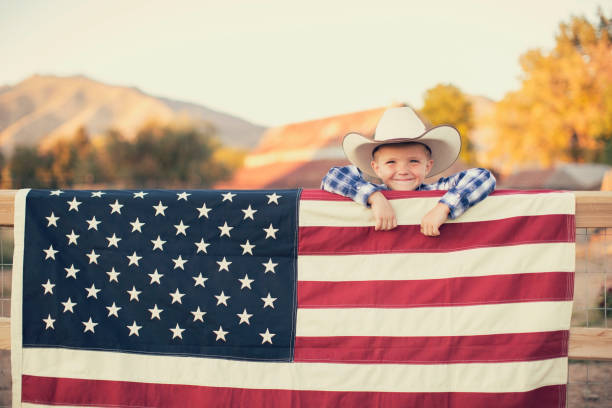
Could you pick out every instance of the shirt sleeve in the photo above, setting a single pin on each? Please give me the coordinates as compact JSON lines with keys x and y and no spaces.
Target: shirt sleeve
{"x":348,"y":181}
{"x":465,"y":189}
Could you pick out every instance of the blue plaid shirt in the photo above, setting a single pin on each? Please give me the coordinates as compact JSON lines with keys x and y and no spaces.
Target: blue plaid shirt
{"x":465,"y":188}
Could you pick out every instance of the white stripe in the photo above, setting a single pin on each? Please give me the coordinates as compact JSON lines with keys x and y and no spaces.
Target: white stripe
{"x":410,"y":211}
{"x":436,"y":321}
{"x":557,"y":257}
{"x":477,"y":377}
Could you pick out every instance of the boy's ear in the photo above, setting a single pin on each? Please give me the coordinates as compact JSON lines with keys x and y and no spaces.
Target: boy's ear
{"x":429,"y":166}
{"x":374,"y":166}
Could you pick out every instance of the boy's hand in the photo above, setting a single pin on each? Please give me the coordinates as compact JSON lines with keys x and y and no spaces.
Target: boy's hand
{"x":431,"y":222}
{"x":384,"y":215}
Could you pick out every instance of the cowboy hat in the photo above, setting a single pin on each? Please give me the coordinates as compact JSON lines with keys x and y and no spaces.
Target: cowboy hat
{"x":401,"y":125}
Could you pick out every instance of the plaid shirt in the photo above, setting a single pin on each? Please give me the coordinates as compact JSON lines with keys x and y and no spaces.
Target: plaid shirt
{"x":465,"y":188}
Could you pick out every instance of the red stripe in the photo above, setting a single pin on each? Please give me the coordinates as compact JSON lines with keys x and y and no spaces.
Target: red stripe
{"x":454,"y":236}
{"x":527,"y":287}
{"x":318,"y":195}
{"x":65,"y":391}
{"x":433,"y":350}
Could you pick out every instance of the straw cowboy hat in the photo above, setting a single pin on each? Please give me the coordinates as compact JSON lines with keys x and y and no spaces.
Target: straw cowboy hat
{"x":401,"y":125}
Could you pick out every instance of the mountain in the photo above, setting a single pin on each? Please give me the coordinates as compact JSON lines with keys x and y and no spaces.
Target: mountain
{"x":41,"y":109}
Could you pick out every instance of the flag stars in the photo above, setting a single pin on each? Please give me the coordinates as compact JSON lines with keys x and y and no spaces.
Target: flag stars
{"x":204,"y":211}
{"x":113,"y":241}
{"x":48,"y":287}
{"x":246,"y":282}
{"x":113,"y":310}
{"x":74,"y":204}
{"x":198,"y":315}
{"x":134,"y":294}
{"x":134,"y":329}
{"x":71,"y":272}
{"x":72,"y":238}
{"x":176,"y":297}
{"x":177,"y":332}
{"x":92,"y":291}
{"x":159,"y":209}
{"x":89,"y":326}
{"x":52,"y":219}
{"x":199,"y":280}
{"x":56,"y":192}
{"x":93,"y":223}
{"x":220,"y":334}
{"x":181,"y":228}
{"x":155,"y":277}
{"x":49,"y":322}
{"x":270,"y":266}
{"x":179,"y":262}
{"x":140,"y":194}
{"x":228,"y":196}
{"x":267,"y":336}
{"x":134,"y":258}
{"x":93,"y":257}
{"x":273,"y":198}
{"x":248,"y":213}
{"x":69,"y":306}
{"x":247,"y":248}
{"x":271,"y":232}
{"x":223,"y":265}
{"x":137,"y":225}
{"x":50,"y":252}
{"x":222,"y":299}
{"x":158,"y":243}
{"x":97,"y":194}
{"x":268,"y":301}
{"x":225,"y":229}
{"x":116,"y":207}
{"x":244,"y":317}
{"x":182,"y":196}
{"x":112,"y":275}
{"x":201,"y":246}
{"x":155,"y":312}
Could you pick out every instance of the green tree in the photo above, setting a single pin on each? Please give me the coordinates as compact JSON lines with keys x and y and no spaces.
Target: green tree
{"x":28,"y":168}
{"x":446,"y":104}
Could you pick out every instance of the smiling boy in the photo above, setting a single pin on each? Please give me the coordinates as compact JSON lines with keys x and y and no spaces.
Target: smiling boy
{"x":402,"y":153}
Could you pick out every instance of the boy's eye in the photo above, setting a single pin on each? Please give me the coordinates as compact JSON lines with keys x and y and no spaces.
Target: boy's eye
{"x":414,"y":161}
{"x":390,"y":161}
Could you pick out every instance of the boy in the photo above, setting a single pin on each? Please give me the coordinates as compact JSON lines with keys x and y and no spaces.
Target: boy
{"x":402,"y":154}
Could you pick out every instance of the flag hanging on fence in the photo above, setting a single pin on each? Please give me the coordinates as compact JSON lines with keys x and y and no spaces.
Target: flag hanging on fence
{"x":289,"y":298}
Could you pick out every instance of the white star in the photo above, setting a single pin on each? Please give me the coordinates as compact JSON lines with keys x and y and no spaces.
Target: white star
{"x":50,"y":252}
{"x":223,"y":265}
{"x":72,"y":238}
{"x":228,"y":196}
{"x":134,"y":328}
{"x":116,"y":207}
{"x":159,"y":209}
{"x":155,"y":312}
{"x":49,"y":322}
{"x":52,"y":220}
{"x":179,"y":262}
{"x":97,"y":194}
{"x":181,"y":228}
{"x":177,"y":332}
{"x":134,"y":258}
{"x":204,"y":211}
{"x":113,"y":241}
{"x":225,"y":229}
{"x":271,"y":232}
{"x":92,"y":292}
{"x":158,"y":243}
{"x":201,"y":246}
{"x":246,"y":282}
{"x":136,"y":225}
{"x":71,"y":272}
{"x":155,"y":276}
{"x":273,"y":198}
{"x":140,"y":194}
{"x":244,"y":317}
{"x":56,"y":192}
{"x":267,"y":336}
{"x":134,"y":294}
{"x":222,"y":298}
{"x":112,"y":275}
{"x":176,"y":296}
{"x":270,"y":266}
{"x":68,"y":306}
{"x":248,"y":213}
{"x":112,"y":310}
{"x":183,"y":196}
{"x":199,"y":280}
{"x":247,"y":248}
{"x":268,"y":301}
{"x":198,"y":315}
{"x":48,"y":287}
{"x":74,"y":204}
{"x":89,"y":326}
{"x":93,"y":257}
{"x":93,"y":223}
{"x":220,"y":333}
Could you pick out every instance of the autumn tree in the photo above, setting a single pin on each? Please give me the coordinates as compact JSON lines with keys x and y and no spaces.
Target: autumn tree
{"x":446,"y":104}
{"x":563,"y":110}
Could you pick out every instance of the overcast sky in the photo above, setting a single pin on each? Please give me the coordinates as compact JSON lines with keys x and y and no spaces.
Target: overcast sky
{"x":279,"y":61}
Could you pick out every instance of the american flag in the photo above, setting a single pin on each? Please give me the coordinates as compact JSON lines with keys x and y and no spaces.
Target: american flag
{"x":289,"y":298}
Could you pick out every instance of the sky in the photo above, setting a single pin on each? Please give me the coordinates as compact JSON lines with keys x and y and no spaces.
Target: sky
{"x":280,"y":61}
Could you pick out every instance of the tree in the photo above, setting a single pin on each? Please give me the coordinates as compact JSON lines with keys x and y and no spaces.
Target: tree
{"x":446,"y":104}
{"x":563,"y":110}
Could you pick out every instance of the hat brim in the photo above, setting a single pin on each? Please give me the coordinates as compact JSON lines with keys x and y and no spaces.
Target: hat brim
{"x":444,"y":142}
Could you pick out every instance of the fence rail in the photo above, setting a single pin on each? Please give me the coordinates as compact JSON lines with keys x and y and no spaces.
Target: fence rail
{"x":593,"y":210}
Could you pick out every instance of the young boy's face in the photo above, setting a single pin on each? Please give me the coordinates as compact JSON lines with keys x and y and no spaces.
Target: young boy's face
{"x":402,"y":167}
